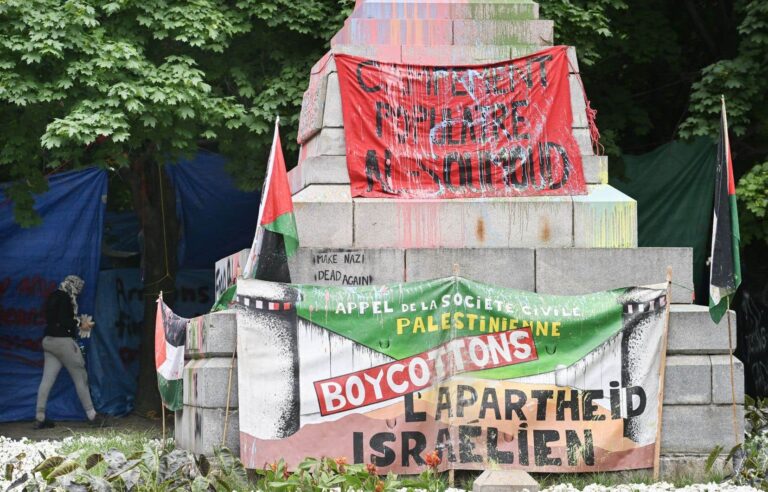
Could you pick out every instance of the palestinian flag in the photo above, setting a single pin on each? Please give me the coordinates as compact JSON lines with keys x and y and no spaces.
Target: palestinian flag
{"x":170,"y":337}
{"x":725,"y":264}
{"x":276,"y":236}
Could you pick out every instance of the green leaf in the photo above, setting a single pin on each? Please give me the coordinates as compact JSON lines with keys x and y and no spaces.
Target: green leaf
{"x":712,"y":458}
{"x":48,"y":465}
{"x":93,"y":460}
{"x":68,"y":466}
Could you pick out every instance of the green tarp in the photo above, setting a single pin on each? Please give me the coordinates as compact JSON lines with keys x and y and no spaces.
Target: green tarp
{"x":674,"y":187}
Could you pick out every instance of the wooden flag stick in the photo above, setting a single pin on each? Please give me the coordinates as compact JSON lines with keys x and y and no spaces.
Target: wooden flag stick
{"x":162,"y":403}
{"x":229,"y":394}
{"x":736,"y":436}
{"x":162,"y":406}
{"x":662,"y":372}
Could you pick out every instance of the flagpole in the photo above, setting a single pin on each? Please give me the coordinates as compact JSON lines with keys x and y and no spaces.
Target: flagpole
{"x":733,"y":384}
{"x":229,"y":395}
{"x":162,"y":406}
{"x":249,"y":264}
{"x":162,"y":403}
{"x":728,"y":302}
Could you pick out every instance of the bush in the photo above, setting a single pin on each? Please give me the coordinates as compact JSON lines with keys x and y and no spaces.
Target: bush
{"x":327,"y":473}
{"x":160,"y":467}
{"x":750,"y":458}
{"x":156,"y":468}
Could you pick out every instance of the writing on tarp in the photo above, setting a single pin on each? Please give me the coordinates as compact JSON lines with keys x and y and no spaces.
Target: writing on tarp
{"x":414,"y":373}
{"x":519,"y":438}
{"x":341,"y":267}
{"x":32,"y":314}
{"x":516,"y":315}
{"x":227,"y":270}
{"x":460,"y":131}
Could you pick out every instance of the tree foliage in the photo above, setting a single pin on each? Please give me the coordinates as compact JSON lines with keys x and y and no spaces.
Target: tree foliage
{"x":130,"y":85}
{"x":752,"y":193}
{"x":655,"y":71}
{"x":86,"y":82}
{"x":742,"y":79}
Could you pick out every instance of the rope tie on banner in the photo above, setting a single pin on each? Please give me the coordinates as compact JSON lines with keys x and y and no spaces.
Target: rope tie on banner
{"x":594,"y":133}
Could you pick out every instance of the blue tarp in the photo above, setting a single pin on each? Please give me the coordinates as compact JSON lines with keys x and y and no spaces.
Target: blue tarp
{"x":113,"y":363}
{"x":217,"y":218}
{"x":32,"y":263}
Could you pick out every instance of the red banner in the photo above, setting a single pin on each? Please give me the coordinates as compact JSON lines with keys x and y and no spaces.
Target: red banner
{"x":503,"y":129}
{"x":389,"y":381}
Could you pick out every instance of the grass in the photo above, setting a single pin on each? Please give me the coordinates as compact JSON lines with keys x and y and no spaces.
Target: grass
{"x":83,"y":445}
{"x":130,"y":442}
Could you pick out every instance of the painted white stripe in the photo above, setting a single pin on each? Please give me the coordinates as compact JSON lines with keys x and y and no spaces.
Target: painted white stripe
{"x":173,"y":365}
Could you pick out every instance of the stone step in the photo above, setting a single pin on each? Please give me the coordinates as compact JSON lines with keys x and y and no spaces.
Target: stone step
{"x":691,"y":466}
{"x":326,"y":216}
{"x":503,"y":33}
{"x":384,"y":9}
{"x":212,"y":335}
{"x":721,"y":380}
{"x":692,"y":332}
{"x":467,"y":32}
{"x":396,"y":32}
{"x":557,"y":271}
{"x":511,"y":268}
{"x":522,"y":222}
{"x":328,"y":142}
{"x":702,"y":380}
{"x":451,"y":55}
{"x":505,"y":481}
{"x":207,"y":383}
{"x":574,"y":271}
{"x":693,"y":429}
{"x":200,"y":430}
{"x":595,"y":169}
{"x":604,"y":218}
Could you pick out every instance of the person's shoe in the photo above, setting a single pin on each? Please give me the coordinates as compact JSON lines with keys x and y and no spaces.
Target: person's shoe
{"x":44,"y":424}
{"x":100,"y":420}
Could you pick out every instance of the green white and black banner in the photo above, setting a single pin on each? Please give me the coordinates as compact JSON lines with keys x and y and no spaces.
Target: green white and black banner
{"x":487,"y":376}
{"x":170,"y":338}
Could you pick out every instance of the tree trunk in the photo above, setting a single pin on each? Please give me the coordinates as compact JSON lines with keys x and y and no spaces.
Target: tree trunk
{"x":155,"y":204}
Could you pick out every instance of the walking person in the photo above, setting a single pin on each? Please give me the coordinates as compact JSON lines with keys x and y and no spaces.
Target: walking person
{"x":60,"y":348}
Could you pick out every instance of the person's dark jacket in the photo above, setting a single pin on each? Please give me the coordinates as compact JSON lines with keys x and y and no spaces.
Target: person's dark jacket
{"x":60,"y":316}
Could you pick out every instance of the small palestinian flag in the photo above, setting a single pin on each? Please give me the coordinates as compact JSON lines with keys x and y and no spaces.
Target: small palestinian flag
{"x":170,"y":338}
{"x":276,"y":236}
{"x":724,"y":262}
